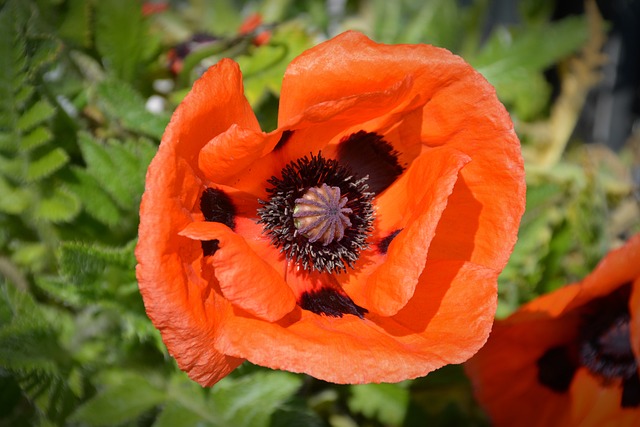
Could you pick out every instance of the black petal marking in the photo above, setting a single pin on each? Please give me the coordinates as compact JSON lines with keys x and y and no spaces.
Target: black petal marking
{"x":216,"y":206}
{"x":210,"y":247}
{"x":556,"y":369}
{"x":286,"y":136}
{"x":605,"y":341}
{"x":631,"y":392}
{"x":330,"y":302}
{"x":368,"y":154}
{"x":383,"y":244}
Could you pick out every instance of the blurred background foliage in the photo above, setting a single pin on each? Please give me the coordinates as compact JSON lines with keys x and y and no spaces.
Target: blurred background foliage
{"x":86,"y":89}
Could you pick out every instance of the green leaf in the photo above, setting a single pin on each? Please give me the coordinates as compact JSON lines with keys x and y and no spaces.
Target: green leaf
{"x":44,"y":49}
{"x":36,"y":138}
{"x":76,"y":23}
{"x":175,"y":415}
{"x":81,"y":263}
{"x":106,"y":162}
{"x":46,"y":163}
{"x":36,"y":114}
{"x":251,"y":400}
{"x":27,"y":342}
{"x":123,"y":103}
{"x":263,"y":69}
{"x":125,"y":399}
{"x":95,"y":200}
{"x":59,"y":206}
{"x":13,"y":60}
{"x":123,"y":38}
{"x":514,"y":59}
{"x":387,"y":403}
{"x":532,"y":48}
{"x":14,"y":200}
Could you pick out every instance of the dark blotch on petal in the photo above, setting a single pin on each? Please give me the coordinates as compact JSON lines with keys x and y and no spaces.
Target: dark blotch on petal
{"x":605,"y":340}
{"x":367,"y":153}
{"x":556,"y":369}
{"x":330,"y":302}
{"x":216,"y":206}
{"x":286,"y":136}
{"x":631,"y":392}
{"x":383,"y":244}
{"x":210,"y":247}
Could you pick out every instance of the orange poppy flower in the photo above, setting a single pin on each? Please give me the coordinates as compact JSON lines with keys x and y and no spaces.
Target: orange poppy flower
{"x":568,"y":358}
{"x":360,"y":241}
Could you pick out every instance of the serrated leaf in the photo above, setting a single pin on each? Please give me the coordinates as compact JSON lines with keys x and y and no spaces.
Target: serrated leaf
{"x":36,"y":138}
{"x":45,"y":49}
{"x":119,"y":402}
{"x":387,"y":403}
{"x":59,"y":206}
{"x":23,"y":95}
{"x":13,"y":60}
{"x":27,"y":342}
{"x":95,"y":200}
{"x":46,"y":164}
{"x":122,"y":37}
{"x":123,"y":103}
{"x":251,"y":400}
{"x":30,"y":254}
{"x":36,"y":114}
{"x":82,"y":263}
{"x":105,"y":162}
{"x":61,"y":290}
{"x":76,"y":23}
{"x":14,"y":200}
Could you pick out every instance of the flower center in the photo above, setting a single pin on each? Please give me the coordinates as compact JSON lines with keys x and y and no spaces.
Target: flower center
{"x":606,"y":350}
{"x":603,"y":347}
{"x":320,"y":214}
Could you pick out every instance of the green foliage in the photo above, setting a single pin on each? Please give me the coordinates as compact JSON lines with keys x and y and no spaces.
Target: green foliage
{"x":125,"y":396}
{"x":121,"y":102}
{"x":388,"y":403}
{"x":263,"y":66}
{"x":123,"y":39}
{"x":76,"y":138}
{"x":513,"y":61}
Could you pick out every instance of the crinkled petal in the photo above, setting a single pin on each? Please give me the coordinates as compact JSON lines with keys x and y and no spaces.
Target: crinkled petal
{"x":460,"y":110}
{"x":413,"y":204}
{"x":182,"y":304}
{"x":244,"y":279}
{"x":375,"y":349}
{"x":230,"y":153}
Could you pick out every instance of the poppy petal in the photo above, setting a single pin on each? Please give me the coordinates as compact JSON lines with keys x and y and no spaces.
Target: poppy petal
{"x":215,"y":103}
{"x":595,"y":406}
{"x":447,"y":218}
{"x":595,"y":388}
{"x":634,"y":304}
{"x":321,"y":124}
{"x":460,"y":110}
{"x":230,"y":153}
{"x":268,"y":298}
{"x":414,"y":205}
{"x":375,"y":349}
{"x":618,"y":267}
